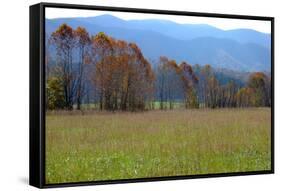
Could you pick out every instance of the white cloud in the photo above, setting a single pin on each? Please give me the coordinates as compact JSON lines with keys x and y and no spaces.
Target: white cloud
{"x":222,"y":23}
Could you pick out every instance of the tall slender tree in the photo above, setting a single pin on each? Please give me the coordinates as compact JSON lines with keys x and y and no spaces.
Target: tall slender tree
{"x":64,"y":41}
{"x":83,"y":42}
{"x":102,"y":50}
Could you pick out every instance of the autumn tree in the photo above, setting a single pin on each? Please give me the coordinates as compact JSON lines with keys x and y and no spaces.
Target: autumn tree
{"x":204,"y":74}
{"x":102,"y":51}
{"x":227,"y":94}
{"x":245,"y":97}
{"x":122,"y":76}
{"x":189,"y":84}
{"x":260,"y":84}
{"x":140,"y":79}
{"x":231,"y":89}
{"x":83,"y":42}
{"x":176,"y":83}
{"x":64,"y":41}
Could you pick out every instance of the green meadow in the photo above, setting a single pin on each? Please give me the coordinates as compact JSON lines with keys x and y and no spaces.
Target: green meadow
{"x":92,"y":146}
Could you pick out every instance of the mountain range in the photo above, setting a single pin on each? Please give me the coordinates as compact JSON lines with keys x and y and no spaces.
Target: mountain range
{"x":239,"y":49}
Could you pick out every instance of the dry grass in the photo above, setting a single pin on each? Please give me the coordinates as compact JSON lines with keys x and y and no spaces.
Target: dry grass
{"x":106,"y":146}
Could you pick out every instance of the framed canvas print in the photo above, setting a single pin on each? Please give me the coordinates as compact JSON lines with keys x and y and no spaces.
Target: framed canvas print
{"x":125,"y":95}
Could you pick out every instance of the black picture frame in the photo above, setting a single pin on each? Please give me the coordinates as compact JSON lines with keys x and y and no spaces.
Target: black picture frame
{"x":37,"y":93}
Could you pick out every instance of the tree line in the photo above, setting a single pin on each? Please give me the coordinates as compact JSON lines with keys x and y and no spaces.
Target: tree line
{"x":114,"y":75}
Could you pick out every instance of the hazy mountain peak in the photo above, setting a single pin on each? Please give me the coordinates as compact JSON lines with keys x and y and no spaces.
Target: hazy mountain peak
{"x":240,"y":49}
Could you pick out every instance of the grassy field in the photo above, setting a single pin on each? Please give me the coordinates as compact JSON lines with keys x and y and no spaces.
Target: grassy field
{"x":106,"y":146}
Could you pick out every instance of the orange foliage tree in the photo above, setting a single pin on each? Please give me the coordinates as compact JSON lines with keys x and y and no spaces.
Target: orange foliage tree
{"x":122,"y":76}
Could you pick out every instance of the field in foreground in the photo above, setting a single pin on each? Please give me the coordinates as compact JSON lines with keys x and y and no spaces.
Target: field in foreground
{"x":106,"y":146}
